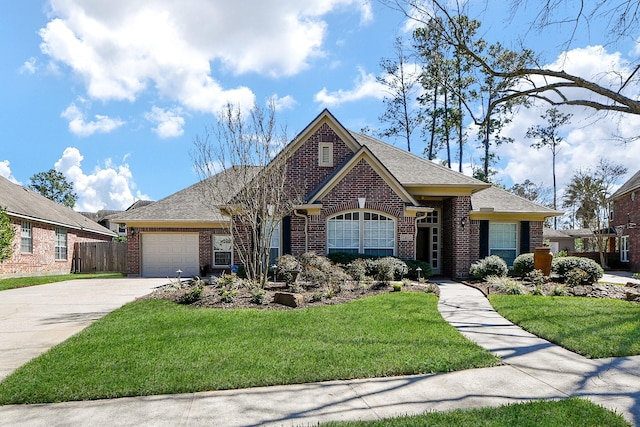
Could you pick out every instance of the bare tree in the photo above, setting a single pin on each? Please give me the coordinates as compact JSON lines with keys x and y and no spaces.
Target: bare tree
{"x":400,"y":114}
{"x":246,"y":180}
{"x":555,"y":87}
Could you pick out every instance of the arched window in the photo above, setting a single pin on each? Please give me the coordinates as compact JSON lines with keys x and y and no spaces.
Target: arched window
{"x":362,"y":232}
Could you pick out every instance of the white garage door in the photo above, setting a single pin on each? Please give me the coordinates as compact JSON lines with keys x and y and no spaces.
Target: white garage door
{"x":163,"y":254}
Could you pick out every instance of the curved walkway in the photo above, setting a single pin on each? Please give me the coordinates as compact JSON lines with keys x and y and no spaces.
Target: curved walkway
{"x":533,"y":369}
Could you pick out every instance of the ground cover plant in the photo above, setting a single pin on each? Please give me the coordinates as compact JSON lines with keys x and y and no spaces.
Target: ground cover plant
{"x":159,"y":346}
{"x":21,"y":282}
{"x":593,"y":327}
{"x":567,"y":413}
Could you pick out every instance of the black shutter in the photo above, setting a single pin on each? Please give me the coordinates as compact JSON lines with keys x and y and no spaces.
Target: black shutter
{"x":484,"y":239}
{"x":286,"y":235}
{"x":525,"y":237}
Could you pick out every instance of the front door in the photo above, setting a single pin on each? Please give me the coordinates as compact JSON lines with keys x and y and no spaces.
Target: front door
{"x":428,"y":241}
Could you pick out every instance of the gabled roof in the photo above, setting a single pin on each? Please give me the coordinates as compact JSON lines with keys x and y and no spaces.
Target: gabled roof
{"x":20,"y":202}
{"x":411,"y":170}
{"x":498,"y":201}
{"x":366,"y":154}
{"x":194,"y":204}
{"x":632,"y":184}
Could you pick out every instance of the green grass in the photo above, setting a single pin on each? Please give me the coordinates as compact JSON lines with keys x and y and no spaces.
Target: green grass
{"x":22,"y":282}
{"x":593,"y":327}
{"x":566,"y":413}
{"x":156,"y":347}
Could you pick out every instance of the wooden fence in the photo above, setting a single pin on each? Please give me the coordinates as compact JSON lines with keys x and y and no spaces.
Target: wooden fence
{"x":100,"y":257}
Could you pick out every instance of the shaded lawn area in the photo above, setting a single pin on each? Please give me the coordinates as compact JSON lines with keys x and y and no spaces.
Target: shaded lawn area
{"x":157,"y":347}
{"x":592,"y":327}
{"x":22,"y":282}
{"x":566,"y":413}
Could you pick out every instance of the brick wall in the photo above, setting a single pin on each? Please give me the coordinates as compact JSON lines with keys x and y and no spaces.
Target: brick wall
{"x":626,"y":210}
{"x":42,"y":259}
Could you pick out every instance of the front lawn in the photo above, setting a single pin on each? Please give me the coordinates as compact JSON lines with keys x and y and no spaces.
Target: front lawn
{"x":593,"y":327}
{"x":21,"y":282}
{"x":566,"y":413}
{"x":157,"y":347}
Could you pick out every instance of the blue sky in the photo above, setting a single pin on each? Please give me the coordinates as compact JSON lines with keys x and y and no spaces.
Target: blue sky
{"x":113,"y":93}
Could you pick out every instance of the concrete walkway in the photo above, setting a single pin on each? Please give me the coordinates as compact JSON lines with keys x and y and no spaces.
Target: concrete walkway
{"x":533,"y":369}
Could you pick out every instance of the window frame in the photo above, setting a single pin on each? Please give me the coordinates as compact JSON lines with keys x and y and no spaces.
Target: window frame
{"x":26,"y":237}
{"x":61,"y":244}
{"x":363,"y":233}
{"x":215,"y":251}
{"x":492,"y":248}
{"x":328,"y":146}
{"x":624,"y":248}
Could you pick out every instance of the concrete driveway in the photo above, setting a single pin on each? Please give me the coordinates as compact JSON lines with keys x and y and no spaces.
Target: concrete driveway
{"x":36,"y":318}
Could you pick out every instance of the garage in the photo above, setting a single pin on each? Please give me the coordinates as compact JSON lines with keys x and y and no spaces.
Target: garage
{"x":165,"y":253}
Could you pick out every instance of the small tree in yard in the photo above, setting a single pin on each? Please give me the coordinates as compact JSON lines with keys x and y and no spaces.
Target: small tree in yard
{"x":588,"y":193}
{"x":7,"y":233}
{"x":245,"y":179}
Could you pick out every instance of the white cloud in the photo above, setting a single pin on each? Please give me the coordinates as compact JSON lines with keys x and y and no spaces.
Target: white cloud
{"x":170,"y":123}
{"x":590,"y":136}
{"x":80,"y":127}
{"x":5,"y":171}
{"x":283,"y":103}
{"x":29,"y":66}
{"x":108,"y":187}
{"x":122,"y":48}
{"x":365,"y":86}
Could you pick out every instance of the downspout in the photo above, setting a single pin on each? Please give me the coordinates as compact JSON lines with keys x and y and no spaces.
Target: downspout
{"x":306,"y":226}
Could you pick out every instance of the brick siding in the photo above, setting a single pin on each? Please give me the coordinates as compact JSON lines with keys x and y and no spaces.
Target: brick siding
{"x":626,"y":210}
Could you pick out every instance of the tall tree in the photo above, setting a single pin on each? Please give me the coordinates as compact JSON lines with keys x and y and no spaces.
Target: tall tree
{"x":54,"y":186}
{"x":7,"y":233}
{"x":549,"y":136}
{"x":400,"y":78}
{"x":531,"y":191}
{"x":245,"y":179}
{"x":588,"y":195}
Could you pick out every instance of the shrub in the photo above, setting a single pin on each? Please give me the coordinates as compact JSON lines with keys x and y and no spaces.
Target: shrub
{"x":357,"y":269}
{"x":523,"y":264}
{"x":319,"y":270}
{"x":576,"y":277}
{"x":389,"y":268}
{"x":227,"y":295}
{"x":258,"y":295}
{"x":537,"y":290}
{"x":505,"y":285}
{"x":636,"y":275}
{"x":536,"y":277}
{"x":345,"y":258}
{"x":397,"y":287}
{"x":288,"y":268}
{"x":193,"y":294}
{"x":559,"y":291}
{"x":492,"y":265}
{"x":432,"y":288}
{"x":562,"y":267}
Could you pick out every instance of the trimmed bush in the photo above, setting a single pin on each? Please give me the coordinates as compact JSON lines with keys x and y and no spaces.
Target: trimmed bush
{"x":563,"y":266}
{"x":389,"y":268}
{"x":492,"y":265}
{"x":523,"y":265}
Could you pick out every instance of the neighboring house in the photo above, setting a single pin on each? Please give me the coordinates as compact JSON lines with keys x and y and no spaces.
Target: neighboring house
{"x":45,"y":232}
{"x":106,"y":217}
{"x":361,"y":196}
{"x":626,"y":221}
{"x":565,"y":240}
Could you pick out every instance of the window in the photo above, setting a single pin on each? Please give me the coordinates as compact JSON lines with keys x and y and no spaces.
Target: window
{"x":503,"y":241}
{"x":274,"y":244}
{"x":363,"y":232}
{"x":222,"y":247}
{"x":61,"y":244}
{"x":26,"y":238}
{"x":325,"y":154}
{"x":624,"y":249}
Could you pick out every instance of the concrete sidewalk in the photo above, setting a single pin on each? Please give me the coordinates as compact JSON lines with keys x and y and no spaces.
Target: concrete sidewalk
{"x":533,"y":369}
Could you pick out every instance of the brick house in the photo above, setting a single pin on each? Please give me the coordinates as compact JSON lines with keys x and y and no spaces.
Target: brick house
{"x":46,"y":233}
{"x":626,"y":221}
{"x":361,"y":195}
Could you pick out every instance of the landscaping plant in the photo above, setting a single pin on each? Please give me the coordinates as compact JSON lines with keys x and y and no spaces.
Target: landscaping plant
{"x":563,"y":266}
{"x":492,"y":265}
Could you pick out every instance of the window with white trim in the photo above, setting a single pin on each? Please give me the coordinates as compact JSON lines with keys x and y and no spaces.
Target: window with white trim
{"x":503,"y":241}
{"x":274,"y":243}
{"x":364,"y":232}
{"x":61,"y":244}
{"x":325,"y":154}
{"x":624,"y":249}
{"x":222,"y":247}
{"x":26,"y":238}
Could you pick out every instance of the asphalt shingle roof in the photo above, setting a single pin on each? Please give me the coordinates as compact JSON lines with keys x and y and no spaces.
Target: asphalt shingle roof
{"x":24,"y":203}
{"x":503,"y":201}
{"x":632,"y":184}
